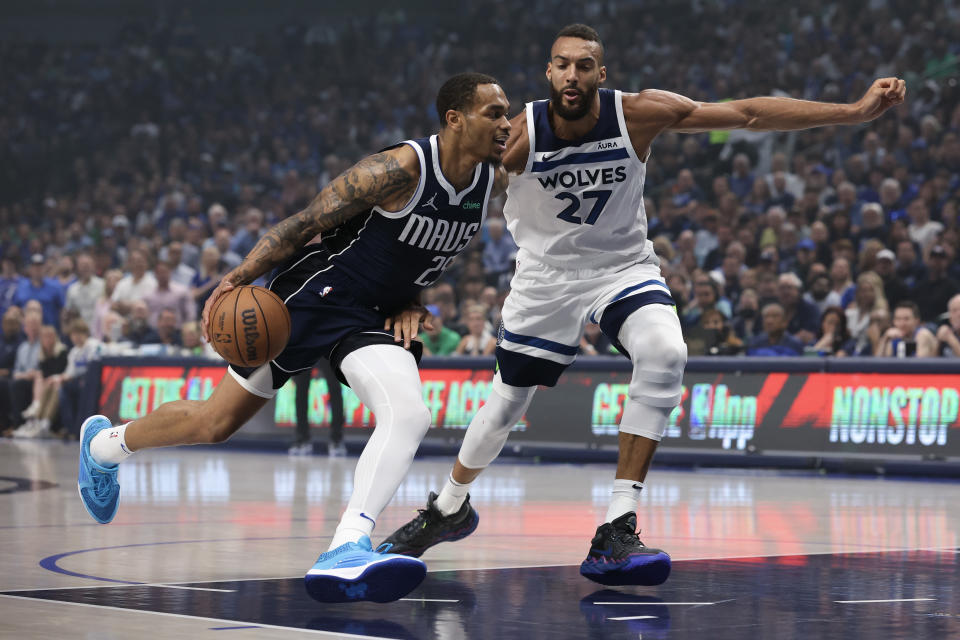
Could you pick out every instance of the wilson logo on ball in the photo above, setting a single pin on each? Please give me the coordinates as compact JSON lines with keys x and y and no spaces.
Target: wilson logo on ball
{"x":250,"y":333}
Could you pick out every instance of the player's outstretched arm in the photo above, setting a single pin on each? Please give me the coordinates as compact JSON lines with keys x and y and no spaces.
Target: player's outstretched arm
{"x":782,"y":114}
{"x":387,"y":179}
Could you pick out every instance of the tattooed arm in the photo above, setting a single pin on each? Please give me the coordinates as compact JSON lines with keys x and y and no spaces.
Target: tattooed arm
{"x":387,"y":179}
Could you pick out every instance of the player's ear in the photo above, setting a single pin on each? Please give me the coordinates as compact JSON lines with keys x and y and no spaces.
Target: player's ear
{"x":603,"y":74}
{"x":454,"y":119}
{"x":549,"y":71}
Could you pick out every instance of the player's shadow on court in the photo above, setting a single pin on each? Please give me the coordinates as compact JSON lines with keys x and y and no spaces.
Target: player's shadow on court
{"x":641,"y":614}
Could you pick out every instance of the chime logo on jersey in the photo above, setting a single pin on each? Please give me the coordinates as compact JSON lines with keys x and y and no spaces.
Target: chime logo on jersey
{"x":424,"y":232}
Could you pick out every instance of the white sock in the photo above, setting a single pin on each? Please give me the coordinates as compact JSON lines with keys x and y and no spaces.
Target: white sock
{"x":352,"y":527}
{"x":452,"y":496}
{"x":626,"y":495}
{"x":109,"y":448}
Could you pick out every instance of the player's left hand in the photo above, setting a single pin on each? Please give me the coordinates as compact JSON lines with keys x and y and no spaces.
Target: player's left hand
{"x":882,"y":94}
{"x":406,"y":324}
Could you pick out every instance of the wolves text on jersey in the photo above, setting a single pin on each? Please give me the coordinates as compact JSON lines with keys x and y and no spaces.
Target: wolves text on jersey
{"x":583,"y":177}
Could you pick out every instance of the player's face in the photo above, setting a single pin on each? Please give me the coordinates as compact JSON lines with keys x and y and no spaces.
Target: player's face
{"x":575,"y":73}
{"x":485,"y":124}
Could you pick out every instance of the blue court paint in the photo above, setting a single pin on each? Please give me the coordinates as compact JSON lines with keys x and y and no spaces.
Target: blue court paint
{"x":753,"y":598}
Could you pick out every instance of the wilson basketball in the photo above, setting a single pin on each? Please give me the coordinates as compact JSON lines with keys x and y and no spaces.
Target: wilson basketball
{"x":249,"y":326}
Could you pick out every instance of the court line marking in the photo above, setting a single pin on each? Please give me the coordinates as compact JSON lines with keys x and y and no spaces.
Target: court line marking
{"x":634,"y":618}
{"x":890,"y":600}
{"x":655,"y":603}
{"x":329,"y":634}
{"x":426,"y":600}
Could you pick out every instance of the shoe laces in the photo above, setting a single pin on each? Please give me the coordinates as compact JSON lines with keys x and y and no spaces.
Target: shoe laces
{"x":418,"y":523}
{"x":102,"y":486}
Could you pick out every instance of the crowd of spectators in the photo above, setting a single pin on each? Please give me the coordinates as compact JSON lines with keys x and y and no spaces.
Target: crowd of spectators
{"x":134,"y":173}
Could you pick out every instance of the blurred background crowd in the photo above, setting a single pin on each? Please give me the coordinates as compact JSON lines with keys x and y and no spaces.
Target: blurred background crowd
{"x":140,"y":163}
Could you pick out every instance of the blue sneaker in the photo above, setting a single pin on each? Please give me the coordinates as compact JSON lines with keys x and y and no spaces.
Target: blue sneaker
{"x":353,"y":571}
{"x":617,"y":557}
{"x":98,"y":486}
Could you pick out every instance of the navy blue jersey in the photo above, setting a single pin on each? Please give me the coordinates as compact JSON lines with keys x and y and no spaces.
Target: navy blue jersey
{"x":391,"y":256}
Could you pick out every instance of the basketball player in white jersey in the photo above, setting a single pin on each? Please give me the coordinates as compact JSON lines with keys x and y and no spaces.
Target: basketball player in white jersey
{"x":575,"y":208}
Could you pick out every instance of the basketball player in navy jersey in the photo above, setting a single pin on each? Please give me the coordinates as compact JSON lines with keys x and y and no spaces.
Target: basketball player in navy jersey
{"x":575,"y":209}
{"x":389,"y":226}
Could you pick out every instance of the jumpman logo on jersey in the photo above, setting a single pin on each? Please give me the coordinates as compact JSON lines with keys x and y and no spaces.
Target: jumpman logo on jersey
{"x":429,"y":203}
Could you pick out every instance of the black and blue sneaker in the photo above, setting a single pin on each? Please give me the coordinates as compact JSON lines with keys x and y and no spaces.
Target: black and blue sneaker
{"x":618,"y":557}
{"x":431,"y":527}
{"x":354,"y":571}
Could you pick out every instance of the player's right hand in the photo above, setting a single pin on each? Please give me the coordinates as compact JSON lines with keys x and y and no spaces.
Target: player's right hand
{"x":406,"y":324}
{"x":222,"y":288}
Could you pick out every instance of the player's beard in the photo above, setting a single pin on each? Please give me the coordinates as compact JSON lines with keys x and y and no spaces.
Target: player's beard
{"x":587,"y":97}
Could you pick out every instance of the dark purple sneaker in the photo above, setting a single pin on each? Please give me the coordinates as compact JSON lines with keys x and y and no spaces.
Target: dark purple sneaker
{"x":617,"y":557}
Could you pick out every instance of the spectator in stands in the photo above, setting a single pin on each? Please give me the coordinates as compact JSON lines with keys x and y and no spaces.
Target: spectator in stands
{"x":194,"y":345}
{"x":802,"y":317}
{"x":907,"y":338}
{"x":104,"y":303}
{"x":170,"y":295}
{"x":9,"y":282}
{"x":869,"y":297}
{"x":499,"y":251}
{"x":73,"y":380}
{"x":478,"y":342}
{"x":136,"y":286}
{"x":26,"y":366}
{"x":47,"y":291}
{"x":706,"y":295}
{"x":437,"y":339}
{"x":138,"y":330}
{"x":84,"y":294}
{"x":250,"y":234}
{"x":742,"y":179}
{"x":872,"y":226}
{"x":840,"y":282}
{"x":934,"y":291}
{"x":820,"y":294}
{"x":746,"y":322}
{"x":168,"y":328}
{"x":207,"y":277}
{"x":909,"y":269}
{"x":65,"y":272}
{"x":43,"y":410}
{"x":948,"y":333}
{"x":10,"y":341}
{"x":886,"y":267}
{"x":834,"y":339}
{"x":182,"y":272}
{"x":774,"y":340}
{"x":923,"y":230}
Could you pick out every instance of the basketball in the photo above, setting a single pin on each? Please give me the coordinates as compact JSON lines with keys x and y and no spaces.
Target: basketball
{"x":249,"y":326}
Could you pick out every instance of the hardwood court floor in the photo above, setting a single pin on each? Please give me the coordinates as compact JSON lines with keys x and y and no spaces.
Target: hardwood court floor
{"x":212,"y":541}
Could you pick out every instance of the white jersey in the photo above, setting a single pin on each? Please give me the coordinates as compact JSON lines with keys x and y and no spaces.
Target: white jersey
{"x":579,"y":203}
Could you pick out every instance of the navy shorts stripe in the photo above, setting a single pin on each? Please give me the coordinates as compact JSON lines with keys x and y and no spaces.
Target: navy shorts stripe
{"x":617,"y":313}
{"x":540,"y":343}
{"x":522,"y":370}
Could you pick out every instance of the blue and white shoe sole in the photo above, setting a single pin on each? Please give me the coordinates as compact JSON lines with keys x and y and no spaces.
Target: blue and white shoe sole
{"x":383,"y":580}
{"x":83,"y":429}
{"x":643,"y":570}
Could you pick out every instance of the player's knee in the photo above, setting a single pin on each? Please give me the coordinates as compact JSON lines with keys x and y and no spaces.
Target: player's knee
{"x":660,"y":352}
{"x":413,"y":417}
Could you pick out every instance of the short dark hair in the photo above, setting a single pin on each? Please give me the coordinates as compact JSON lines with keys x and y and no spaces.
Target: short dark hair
{"x":459,"y":92}
{"x":582,"y":31}
{"x":909,"y":304}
